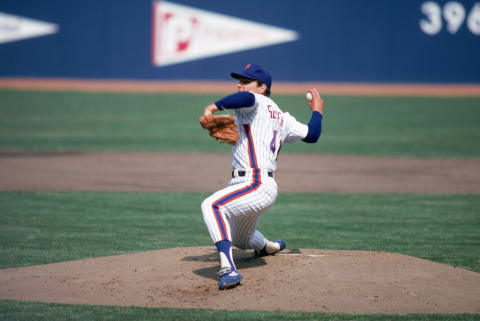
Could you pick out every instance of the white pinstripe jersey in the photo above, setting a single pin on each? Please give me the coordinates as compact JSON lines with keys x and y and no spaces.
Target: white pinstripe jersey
{"x":263,"y":129}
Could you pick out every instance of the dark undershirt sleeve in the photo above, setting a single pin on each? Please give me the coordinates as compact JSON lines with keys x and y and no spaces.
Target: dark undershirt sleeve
{"x":314,"y":128}
{"x":238,"y":100}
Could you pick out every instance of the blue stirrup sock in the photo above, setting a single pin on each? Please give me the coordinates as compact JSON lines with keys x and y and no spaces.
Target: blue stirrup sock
{"x":225,"y":251}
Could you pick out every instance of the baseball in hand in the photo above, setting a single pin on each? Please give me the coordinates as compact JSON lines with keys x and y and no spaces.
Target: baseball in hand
{"x":309,"y":96}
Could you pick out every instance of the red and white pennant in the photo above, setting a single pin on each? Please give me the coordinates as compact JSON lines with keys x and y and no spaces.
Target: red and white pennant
{"x":181,"y":33}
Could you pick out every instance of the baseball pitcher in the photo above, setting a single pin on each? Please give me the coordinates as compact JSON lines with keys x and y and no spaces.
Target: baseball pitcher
{"x":257,"y":133}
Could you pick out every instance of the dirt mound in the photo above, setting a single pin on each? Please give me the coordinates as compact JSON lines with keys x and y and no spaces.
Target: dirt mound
{"x":295,"y":280}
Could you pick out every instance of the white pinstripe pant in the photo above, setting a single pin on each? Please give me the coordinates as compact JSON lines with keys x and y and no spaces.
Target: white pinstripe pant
{"x":232,"y":213}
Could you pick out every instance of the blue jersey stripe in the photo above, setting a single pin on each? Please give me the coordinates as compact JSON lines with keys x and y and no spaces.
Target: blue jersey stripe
{"x":251,"y":147}
{"x":218,"y":215}
{"x":240,"y":192}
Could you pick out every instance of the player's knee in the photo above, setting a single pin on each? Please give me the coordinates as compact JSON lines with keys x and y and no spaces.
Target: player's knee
{"x":251,"y":243}
{"x":207,"y":206}
{"x":256,"y":241}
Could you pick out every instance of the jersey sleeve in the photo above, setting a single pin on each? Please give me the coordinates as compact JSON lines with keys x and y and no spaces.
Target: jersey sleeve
{"x":246,"y":110}
{"x":293,"y":129}
{"x":236,"y":100}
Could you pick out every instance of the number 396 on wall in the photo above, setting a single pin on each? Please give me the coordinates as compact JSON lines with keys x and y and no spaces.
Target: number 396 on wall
{"x":453,"y":13}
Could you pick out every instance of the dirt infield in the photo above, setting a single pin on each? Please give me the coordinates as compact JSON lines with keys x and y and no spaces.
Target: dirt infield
{"x":297,"y":280}
{"x":369,"y":89}
{"x":154,"y":171}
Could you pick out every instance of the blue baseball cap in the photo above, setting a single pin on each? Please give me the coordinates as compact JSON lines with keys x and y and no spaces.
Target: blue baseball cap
{"x":255,"y":72}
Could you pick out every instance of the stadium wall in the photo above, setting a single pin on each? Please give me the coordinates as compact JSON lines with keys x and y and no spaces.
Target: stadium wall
{"x":335,"y":40}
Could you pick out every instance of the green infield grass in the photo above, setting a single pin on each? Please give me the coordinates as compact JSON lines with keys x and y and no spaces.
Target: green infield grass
{"x":388,"y":126}
{"x":46,"y":227}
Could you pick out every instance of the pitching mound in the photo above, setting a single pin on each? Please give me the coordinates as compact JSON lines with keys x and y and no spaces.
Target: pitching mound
{"x":296,"y":280}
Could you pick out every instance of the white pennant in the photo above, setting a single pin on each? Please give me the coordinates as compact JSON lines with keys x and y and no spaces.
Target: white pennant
{"x":181,"y":33}
{"x":13,"y":28}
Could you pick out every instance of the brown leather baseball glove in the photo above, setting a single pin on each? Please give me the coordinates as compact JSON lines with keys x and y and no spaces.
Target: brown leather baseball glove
{"x":221,"y":127}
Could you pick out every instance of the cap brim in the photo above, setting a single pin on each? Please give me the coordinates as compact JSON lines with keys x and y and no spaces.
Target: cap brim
{"x":237,"y":76}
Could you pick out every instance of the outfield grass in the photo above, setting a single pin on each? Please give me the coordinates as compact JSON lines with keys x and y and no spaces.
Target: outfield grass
{"x":46,"y":227}
{"x":392,"y":126}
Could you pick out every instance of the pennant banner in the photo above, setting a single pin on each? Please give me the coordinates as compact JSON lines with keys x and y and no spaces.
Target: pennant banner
{"x":181,"y":33}
{"x":14,"y":28}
